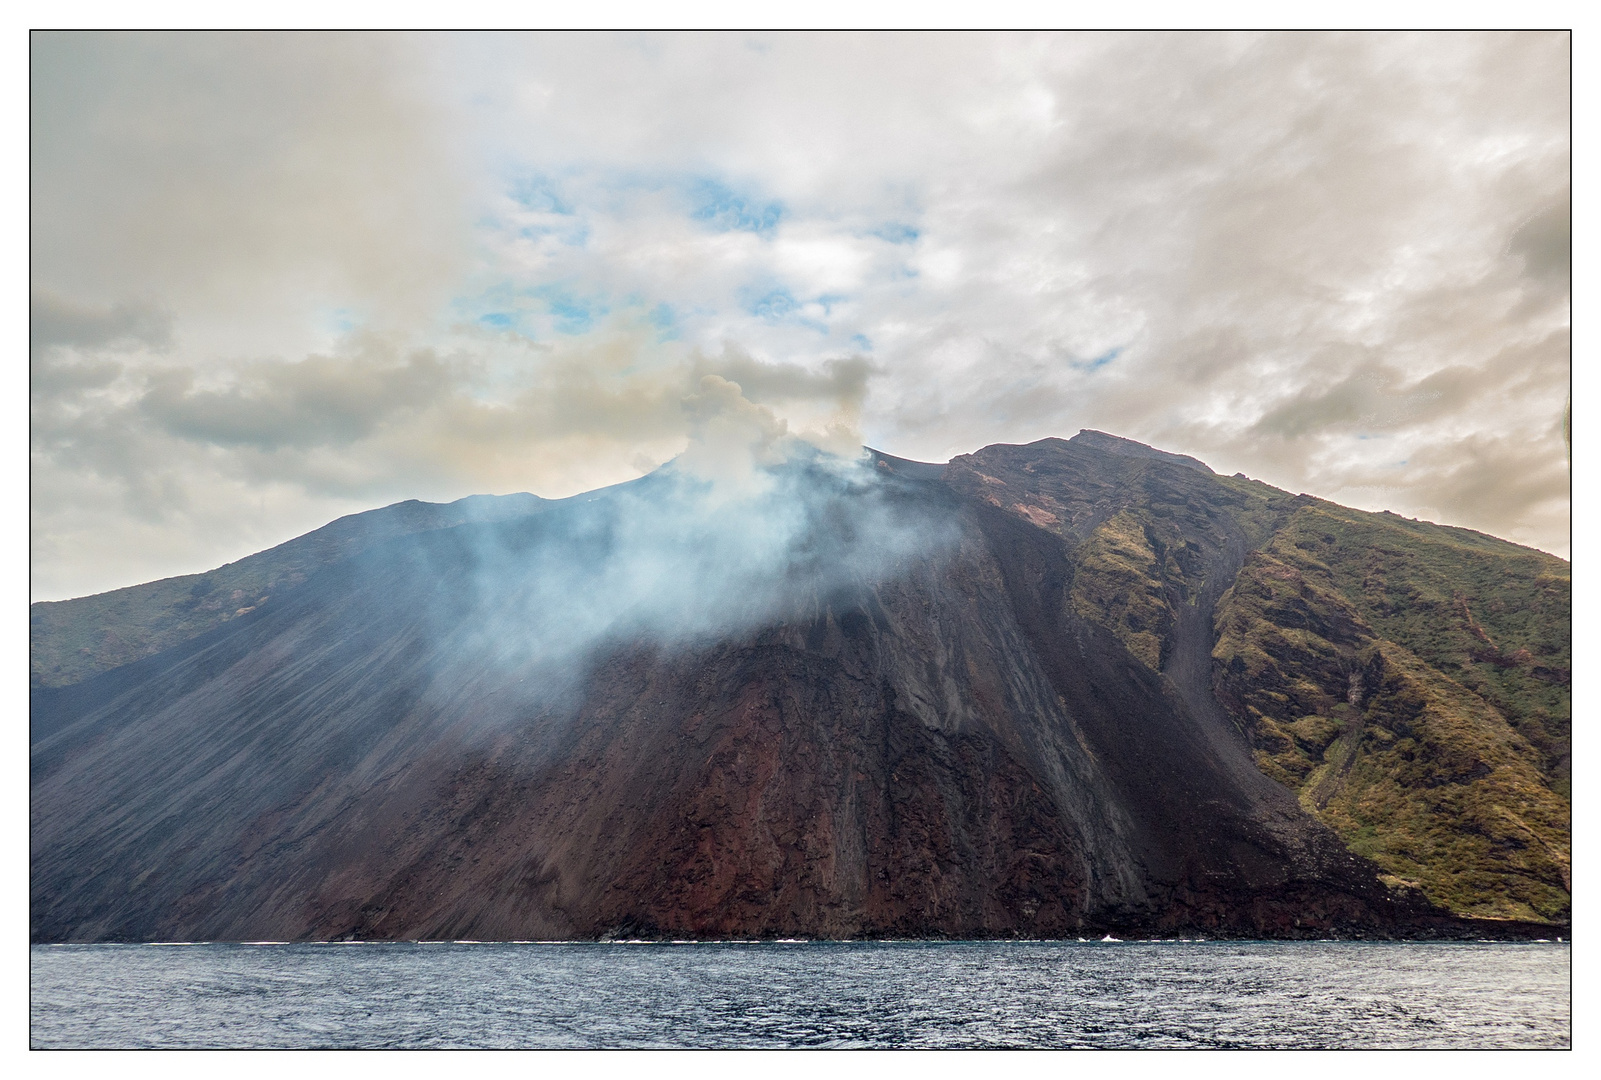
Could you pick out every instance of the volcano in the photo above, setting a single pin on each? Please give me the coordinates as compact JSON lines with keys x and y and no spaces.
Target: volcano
{"x":1063,"y":689}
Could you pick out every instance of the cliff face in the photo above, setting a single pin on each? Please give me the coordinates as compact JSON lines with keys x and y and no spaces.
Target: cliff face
{"x":1031,"y":724}
{"x":1412,"y":687}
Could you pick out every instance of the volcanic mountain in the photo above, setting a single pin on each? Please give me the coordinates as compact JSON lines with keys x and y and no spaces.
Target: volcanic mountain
{"x":1066,"y":688}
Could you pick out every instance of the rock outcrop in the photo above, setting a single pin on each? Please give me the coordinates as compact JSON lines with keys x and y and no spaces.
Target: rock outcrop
{"x":1035,"y":724}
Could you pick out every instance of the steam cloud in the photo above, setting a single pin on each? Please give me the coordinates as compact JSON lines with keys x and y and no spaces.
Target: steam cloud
{"x":749,"y":526}
{"x":283,"y":277}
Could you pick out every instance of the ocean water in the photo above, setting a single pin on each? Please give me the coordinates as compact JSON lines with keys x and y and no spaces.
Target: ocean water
{"x":803,"y":994}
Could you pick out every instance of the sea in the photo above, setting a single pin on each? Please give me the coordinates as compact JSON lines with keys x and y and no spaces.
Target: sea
{"x":911,"y":994}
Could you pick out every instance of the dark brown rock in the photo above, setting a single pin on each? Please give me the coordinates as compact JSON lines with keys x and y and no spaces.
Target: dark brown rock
{"x":945,"y":748}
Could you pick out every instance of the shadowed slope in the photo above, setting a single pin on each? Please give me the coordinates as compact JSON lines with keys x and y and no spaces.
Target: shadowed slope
{"x":74,"y":640}
{"x":1407,"y":681}
{"x":974,"y":701}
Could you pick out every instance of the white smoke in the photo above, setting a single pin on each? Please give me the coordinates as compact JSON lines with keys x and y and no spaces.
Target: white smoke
{"x":749,"y":527}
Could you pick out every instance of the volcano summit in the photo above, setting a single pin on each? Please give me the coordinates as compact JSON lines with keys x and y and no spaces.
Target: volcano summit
{"x":1066,"y":688}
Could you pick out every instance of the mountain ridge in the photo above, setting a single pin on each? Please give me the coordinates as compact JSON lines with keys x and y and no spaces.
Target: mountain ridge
{"x":1089,"y":588}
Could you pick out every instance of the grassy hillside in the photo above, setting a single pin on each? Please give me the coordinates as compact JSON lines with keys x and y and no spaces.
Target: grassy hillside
{"x":1407,"y":680}
{"x":1410,"y":682}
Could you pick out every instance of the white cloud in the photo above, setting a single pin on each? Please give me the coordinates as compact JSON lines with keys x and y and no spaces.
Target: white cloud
{"x":1335,"y":262}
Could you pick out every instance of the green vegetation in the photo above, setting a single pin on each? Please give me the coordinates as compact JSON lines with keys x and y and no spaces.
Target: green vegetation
{"x":1410,"y":682}
{"x":1118,"y":583}
{"x":1143,"y":561}
{"x":74,"y":639}
{"x":1493,"y":616}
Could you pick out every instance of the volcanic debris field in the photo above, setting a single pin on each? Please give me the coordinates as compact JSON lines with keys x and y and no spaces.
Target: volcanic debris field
{"x":1055,"y":690}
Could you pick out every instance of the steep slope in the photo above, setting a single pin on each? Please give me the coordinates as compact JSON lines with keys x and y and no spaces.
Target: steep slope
{"x":1350,"y":650}
{"x":1409,"y":682}
{"x":72,"y":640}
{"x":995,"y":698}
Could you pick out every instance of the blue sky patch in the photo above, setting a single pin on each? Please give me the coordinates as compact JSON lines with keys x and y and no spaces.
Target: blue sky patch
{"x":539,"y":194}
{"x":727,"y":211}
{"x":533,"y":312}
{"x":897,"y":233}
{"x":576,"y":235}
{"x":778,"y":304}
{"x":1098,"y":363}
{"x":570,"y":314}
{"x":665,"y":320}
{"x":773,"y":305}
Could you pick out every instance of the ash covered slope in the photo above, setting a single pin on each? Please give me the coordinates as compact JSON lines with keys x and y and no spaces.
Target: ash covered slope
{"x":928,"y":717}
{"x":73,"y":640}
{"x":1408,"y":681}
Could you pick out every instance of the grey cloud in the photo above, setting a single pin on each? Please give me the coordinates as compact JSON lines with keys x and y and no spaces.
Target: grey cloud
{"x":67,"y":343}
{"x":1316,"y":249}
{"x":1295,"y":240}
{"x":1481,"y":482}
{"x":229,"y":171}
{"x":1373,"y":396}
{"x":1345,"y":403}
{"x":54,"y":321}
{"x":373,"y":423}
{"x":320,"y":400}
{"x":59,"y":379}
{"x":1544,"y":243}
{"x":842,"y":380}
{"x":105,"y":447}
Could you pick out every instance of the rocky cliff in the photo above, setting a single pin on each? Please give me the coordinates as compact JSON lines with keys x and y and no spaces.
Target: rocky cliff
{"x":1058,"y":689}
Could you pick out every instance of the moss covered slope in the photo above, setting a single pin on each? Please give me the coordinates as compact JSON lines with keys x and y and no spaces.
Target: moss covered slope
{"x":1410,"y":683}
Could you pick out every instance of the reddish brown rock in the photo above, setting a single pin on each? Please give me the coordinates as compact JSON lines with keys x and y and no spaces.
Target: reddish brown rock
{"x":947,"y":749}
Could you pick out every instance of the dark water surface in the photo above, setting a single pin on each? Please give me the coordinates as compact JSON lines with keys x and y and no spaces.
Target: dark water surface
{"x":890,"y":994}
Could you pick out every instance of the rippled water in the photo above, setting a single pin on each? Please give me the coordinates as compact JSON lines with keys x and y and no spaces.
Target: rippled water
{"x":889,"y":994}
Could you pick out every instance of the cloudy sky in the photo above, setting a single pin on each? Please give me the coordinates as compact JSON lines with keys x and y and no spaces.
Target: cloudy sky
{"x":280,"y":278}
